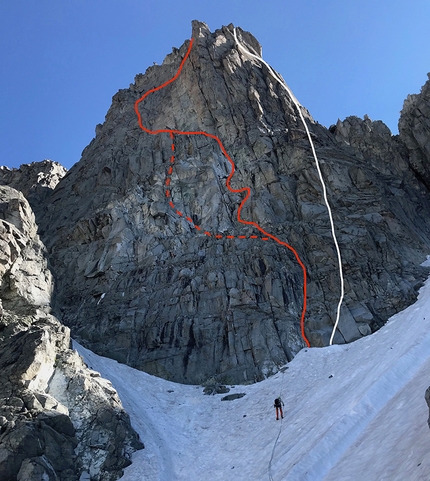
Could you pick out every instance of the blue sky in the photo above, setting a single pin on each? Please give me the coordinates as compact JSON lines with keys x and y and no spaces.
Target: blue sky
{"x":63,"y":60}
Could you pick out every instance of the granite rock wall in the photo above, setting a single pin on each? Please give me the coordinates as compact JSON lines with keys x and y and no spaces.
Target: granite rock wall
{"x":140,"y":283}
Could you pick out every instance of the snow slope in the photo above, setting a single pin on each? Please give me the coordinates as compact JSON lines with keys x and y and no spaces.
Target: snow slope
{"x":352,"y":412}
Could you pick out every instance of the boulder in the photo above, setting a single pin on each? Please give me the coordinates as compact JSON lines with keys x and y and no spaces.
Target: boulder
{"x":233,"y":397}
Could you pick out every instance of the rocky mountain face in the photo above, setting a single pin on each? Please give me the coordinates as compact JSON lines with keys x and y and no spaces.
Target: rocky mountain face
{"x":153,"y":268}
{"x":59,"y":420}
{"x":414,"y":129}
{"x":36,"y":181}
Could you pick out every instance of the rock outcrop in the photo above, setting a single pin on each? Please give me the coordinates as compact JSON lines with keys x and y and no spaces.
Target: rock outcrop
{"x":137,"y":282}
{"x":427,"y":398}
{"x":58,"y":419}
{"x":36,"y":181}
{"x":26,"y":282}
{"x":414,"y":130}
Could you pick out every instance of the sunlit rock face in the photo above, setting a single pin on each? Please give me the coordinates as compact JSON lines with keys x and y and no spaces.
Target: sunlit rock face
{"x":36,"y":181}
{"x":53,"y":409}
{"x":138,"y":282}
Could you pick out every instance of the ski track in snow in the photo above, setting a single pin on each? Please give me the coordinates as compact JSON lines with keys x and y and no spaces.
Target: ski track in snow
{"x":368,"y":422}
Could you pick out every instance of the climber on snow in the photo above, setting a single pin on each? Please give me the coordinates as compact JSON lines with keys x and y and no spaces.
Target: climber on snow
{"x":278,"y":405}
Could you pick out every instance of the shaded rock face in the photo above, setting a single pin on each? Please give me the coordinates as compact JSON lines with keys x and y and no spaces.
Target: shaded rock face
{"x":414,"y":130}
{"x":58,"y":419}
{"x":139,"y":283}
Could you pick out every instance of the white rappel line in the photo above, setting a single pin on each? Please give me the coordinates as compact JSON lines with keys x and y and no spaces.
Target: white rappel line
{"x":273,"y":452}
{"x":298,"y":107}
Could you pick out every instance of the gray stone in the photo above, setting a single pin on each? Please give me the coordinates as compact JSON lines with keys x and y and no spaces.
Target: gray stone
{"x":427,"y":398}
{"x":360,"y":313}
{"x":364,"y":329}
{"x":36,"y":180}
{"x":232,"y":397}
{"x":213,"y":387}
{"x":37,"y":469}
{"x":38,"y":432}
{"x":347,"y":326}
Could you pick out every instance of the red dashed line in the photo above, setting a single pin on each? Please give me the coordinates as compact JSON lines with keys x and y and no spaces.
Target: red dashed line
{"x":172,"y":205}
{"x":246,"y":190}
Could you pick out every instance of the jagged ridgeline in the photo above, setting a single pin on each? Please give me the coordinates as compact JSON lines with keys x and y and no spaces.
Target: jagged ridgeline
{"x":137,"y":281}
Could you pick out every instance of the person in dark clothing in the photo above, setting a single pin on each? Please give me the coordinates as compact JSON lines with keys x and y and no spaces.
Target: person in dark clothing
{"x":278,"y":405}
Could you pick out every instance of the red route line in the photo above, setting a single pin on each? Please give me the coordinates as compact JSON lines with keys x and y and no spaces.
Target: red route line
{"x":247,"y":190}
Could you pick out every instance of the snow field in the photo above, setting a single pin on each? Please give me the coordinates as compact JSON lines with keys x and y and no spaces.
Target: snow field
{"x":352,"y":412}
